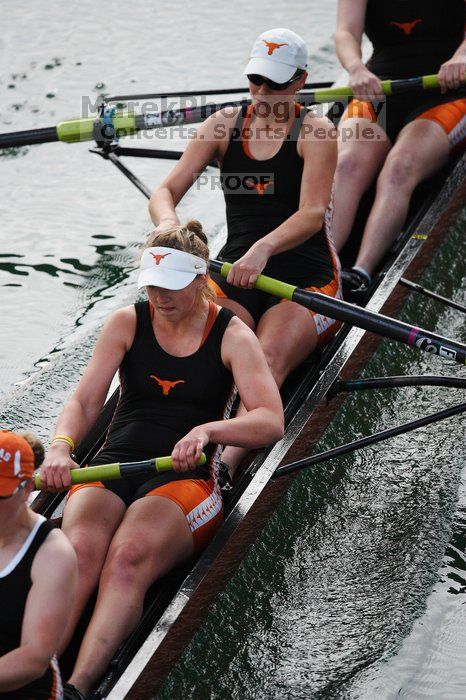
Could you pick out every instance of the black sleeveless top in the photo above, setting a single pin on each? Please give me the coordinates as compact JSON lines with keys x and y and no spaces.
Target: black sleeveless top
{"x":413,"y":37}
{"x":163,"y":396}
{"x":15,"y":584}
{"x":260,"y":195}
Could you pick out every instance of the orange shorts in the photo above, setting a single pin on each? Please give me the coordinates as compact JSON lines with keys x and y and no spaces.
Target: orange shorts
{"x":326,"y":327}
{"x":451,"y":116}
{"x":200,"y":501}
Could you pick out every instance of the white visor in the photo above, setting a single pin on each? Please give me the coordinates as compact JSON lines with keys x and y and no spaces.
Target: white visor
{"x":169,"y":268}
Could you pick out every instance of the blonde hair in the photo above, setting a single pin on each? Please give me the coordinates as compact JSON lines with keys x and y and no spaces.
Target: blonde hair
{"x":36,"y":446}
{"x":189,"y":238}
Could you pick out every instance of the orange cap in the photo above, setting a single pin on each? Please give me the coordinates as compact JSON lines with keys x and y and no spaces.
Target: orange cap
{"x":16,"y":461}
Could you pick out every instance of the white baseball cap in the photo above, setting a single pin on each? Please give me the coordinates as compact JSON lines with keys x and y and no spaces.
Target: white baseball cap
{"x":169,"y":268}
{"x":277,"y":54}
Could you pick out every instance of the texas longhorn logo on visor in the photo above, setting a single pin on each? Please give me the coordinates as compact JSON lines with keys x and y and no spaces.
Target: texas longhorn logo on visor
{"x":158,"y":258}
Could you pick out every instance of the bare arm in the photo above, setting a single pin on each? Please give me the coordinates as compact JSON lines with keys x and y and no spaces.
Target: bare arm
{"x":348,"y":37}
{"x":83,"y":407}
{"x":205,"y":147}
{"x":319,"y":152}
{"x":49,"y":602}
{"x":453,"y":72}
{"x":263,"y":422}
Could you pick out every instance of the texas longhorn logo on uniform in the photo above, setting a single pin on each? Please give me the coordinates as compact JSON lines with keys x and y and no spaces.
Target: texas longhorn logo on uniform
{"x":166,"y":384}
{"x":260,"y":187}
{"x":407,"y":27}
{"x":272,"y":46}
{"x":158,"y":258}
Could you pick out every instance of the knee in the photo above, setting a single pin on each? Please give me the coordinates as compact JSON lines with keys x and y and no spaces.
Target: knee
{"x":399,"y":170}
{"x":89,"y":555}
{"x":126,"y":562}
{"x":351,"y":165}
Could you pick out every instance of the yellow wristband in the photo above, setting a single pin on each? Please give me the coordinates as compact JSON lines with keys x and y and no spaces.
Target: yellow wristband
{"x":64,"y":438}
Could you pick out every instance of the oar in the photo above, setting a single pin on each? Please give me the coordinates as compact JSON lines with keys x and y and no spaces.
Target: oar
{"x":200,"y":93}
{"x":356,"y":316}
{"x":414,"y":287}
{"x":126,"y":124}
{"x":119,"y":470}
{"x":389,"y":87}
{"x":369,"y":440}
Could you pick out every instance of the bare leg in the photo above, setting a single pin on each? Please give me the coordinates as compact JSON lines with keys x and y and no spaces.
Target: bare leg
{"x":359,"y":161}
{"x":287,"y":335}
{"x":239,"y":310}
{"x":421,"y":149}
{"x":90,"y":519}
{"x":153,"y":537}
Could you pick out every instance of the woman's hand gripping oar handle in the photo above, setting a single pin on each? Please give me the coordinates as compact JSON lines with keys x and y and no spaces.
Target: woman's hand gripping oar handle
{"x":356,"y":316}
{"x":105,"y":472}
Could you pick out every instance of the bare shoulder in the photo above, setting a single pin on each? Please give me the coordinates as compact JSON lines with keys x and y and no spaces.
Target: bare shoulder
{"x":239,"y":340}
{"x":316,"y":129}
{"x":56,"y":553}
{"x":218,"y":127}
{"x":313,"y":123}
{"x":227,"y":116}
{"x":121,"y":324}
{"x":238,"y":329}
{"x":125,"y":315}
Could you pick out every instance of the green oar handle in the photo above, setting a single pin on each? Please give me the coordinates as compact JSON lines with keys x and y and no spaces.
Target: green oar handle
{"x":265,"y":284}
{"x":106,"y":472}
{"x":389,"y":87}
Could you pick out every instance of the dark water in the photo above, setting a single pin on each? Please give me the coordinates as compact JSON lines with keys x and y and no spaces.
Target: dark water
{"x":354,"y":590}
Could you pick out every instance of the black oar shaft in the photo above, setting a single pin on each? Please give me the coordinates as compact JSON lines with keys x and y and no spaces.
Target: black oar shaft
{"x":382,"y":325}
{"x":356,"y":316}
{"x":414,"y":287}
{"x":396,"y":382}
{"x":369,"y":440}
{"x":201,"y":93}
{"x":29,"y":137}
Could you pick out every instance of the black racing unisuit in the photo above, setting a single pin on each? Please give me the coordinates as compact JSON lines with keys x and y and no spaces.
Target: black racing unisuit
{"x":163,"y":397}
{"x":15,"y":584}
{"x":268,"y":194}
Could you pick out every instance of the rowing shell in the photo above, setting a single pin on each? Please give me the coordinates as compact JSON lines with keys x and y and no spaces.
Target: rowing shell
{"x":176,"y":604}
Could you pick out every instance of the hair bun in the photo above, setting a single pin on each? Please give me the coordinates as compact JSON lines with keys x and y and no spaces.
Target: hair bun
{"x":195,"y":227}
{"x":36,"y":446}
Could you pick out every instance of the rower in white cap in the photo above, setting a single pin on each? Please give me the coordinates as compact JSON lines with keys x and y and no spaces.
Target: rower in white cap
{"x":277,"y":162}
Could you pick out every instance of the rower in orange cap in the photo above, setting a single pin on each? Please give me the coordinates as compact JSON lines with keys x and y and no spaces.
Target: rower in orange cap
{"x":37,"y":579}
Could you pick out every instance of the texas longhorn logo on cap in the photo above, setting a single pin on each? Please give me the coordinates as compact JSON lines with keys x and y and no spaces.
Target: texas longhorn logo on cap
{"x":272,"y":46}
